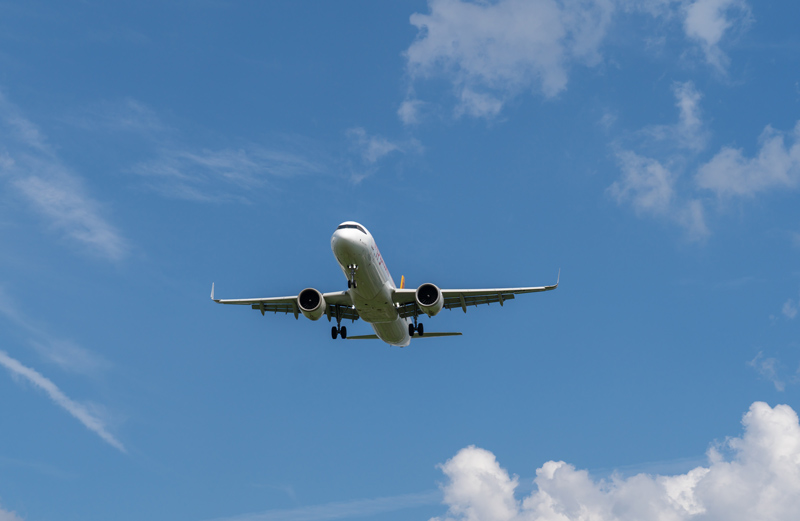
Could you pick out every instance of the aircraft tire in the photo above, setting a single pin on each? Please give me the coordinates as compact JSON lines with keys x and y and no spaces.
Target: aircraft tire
{"x":344,"y":332}
{"x":334,"y":332}
{"x":420,"y":330}
{"x":411,"y":330}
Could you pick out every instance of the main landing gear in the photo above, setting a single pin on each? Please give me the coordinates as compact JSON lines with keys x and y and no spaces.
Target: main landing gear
{"x":415,"y":327}
{"x":336,"y":331}
{"x":351,"y":282}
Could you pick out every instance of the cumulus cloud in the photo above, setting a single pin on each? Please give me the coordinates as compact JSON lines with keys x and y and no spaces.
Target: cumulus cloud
{"x":492,"y":51}
{"x":32,"y":169}
{"x":84,"y":414}
{"x":760,"y":480}
{"x":775,"y":166}
{"x":708,"y":21}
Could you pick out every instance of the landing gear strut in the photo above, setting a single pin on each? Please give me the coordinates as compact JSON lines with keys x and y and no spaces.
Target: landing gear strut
{"x":351,"y":282}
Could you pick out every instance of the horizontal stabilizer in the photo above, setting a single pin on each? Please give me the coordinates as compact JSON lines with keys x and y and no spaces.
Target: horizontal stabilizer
{"x":426,"y":335}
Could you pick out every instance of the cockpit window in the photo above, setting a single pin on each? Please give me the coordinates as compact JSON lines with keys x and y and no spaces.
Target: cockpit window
{"x":354,"y":226}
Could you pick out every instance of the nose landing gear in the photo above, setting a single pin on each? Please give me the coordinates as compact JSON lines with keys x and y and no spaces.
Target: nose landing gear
{"x":351,"y":282}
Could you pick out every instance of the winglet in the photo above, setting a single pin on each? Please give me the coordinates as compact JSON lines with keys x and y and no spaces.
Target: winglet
{"x":212,"y":291}
{"x":557,"y":278}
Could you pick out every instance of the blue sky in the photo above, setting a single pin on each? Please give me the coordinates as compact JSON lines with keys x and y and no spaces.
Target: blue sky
{"x":650,"y":150}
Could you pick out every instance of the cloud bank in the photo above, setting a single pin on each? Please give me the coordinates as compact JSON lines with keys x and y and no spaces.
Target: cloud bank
{"x":760,"y":480}
{"x":491,"y":52}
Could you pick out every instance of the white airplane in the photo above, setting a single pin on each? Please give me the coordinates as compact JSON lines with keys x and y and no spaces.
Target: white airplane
{"x":373,"y":297}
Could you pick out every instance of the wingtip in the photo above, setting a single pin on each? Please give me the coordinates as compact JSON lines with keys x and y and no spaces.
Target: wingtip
{"x":559,"y":276}
{"x":212,"y":291}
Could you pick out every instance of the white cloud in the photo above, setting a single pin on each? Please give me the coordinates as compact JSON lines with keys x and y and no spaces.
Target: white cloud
{"x":767,"y":367}
{"x":371,"y":149}
{"x":730,"y":173}
{"x":88,"y":417}
{"x":760,"y":481}
{"x":223,"y":174}
{"x":6,"y":515}
{"x":707,"y":22}
{"x":649,"y":184}
{"x":492,"y":51}
{"x":50,"y":188}
{"x":409,"y":111}
{"x":64,"y":353}
{"x":645,"y":182}
{"x":789,"y":309}
{"x":343,"y":509}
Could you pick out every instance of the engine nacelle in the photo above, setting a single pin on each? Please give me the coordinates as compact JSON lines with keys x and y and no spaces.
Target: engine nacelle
{"x":311,"y":303}
{"x":429,"y":299}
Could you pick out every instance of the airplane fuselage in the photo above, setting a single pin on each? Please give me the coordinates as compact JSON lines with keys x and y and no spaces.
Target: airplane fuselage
{"x":373,"y":289}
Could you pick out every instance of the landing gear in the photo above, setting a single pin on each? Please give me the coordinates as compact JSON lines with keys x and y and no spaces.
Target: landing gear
{"x":351,"y":282}
{"x":415,"y":327}
{"x":338,"y":329}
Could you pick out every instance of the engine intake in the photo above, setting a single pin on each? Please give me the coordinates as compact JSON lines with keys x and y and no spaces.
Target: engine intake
{"x":311,"y":303}
{"x":429,"y":299}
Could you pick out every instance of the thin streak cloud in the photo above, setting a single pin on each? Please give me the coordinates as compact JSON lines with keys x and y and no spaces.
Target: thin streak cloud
{"x":344,"y":509}
{"x":51,"y":189}
{"x":77,"y":410}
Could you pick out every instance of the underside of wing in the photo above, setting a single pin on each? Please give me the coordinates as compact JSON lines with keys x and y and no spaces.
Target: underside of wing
{"x":338,"y":305}
{"x":462,"y":298}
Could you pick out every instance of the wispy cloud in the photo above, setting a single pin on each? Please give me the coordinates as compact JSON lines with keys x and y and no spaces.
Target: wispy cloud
{"x":81,"y":412}
{"x":768,"y":368}
{"x":709,"y":21}
{"x":492,"y":51}
{"x":790,"y":308}
{"x":128,"y":115}
{"x":372,"y":148}
{"x":33,"y":170}
{"x":344,"y":509}
{"x":649,"y":184}
{"x":760,"y":480}
{"x":207,"y":175}
{"x":66,"y":354}
{"x":6,"y":515}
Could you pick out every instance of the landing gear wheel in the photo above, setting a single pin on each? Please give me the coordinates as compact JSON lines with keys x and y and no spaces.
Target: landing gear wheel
{"x":411,"y":330}
{"x":343,"y":332}
{"x":349,"y":284}
{"x":420,"y":330}
{"x":334,"y":332}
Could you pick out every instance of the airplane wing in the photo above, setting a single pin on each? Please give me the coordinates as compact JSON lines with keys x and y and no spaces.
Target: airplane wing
{"x":461,"y":298}
{"x":338,"y":304}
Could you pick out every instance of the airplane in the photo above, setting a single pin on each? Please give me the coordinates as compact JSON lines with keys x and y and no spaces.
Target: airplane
{"x":373,"y":296}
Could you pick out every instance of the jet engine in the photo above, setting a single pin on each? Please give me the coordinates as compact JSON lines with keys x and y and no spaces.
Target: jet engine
{"x":311,"y":303}
{"x":429,"y":299}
